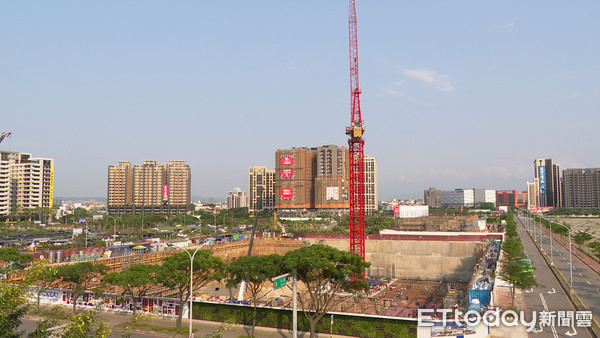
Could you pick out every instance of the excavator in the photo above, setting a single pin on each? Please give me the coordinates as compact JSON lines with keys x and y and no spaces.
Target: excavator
{"x":4,"y":134}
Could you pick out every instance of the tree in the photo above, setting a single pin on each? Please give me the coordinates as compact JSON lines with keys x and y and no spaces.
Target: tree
{"x":43,"y":275}
{"x":86,"y":325}
{"x":595,"y":246}
{"x":14,"y":258}
{"x":13,"y":306}
{"x":174,"y":274}
{"x":255,"y":271}
{"x":515,"y":269}
{"x":518,"y":275}
{"x":486,"y":205}
{"x":80,"y":277}
{"x":582,"y":236}
{"x":135,"y":281}
{"x":324,"y":271}
{"x":513,"y":248}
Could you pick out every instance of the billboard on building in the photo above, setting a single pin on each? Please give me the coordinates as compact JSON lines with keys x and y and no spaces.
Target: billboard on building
{"x":333,"y":193}
{"x":540,"y":210}
{"x":542,"y":179}
{"x":51,"y":187}
{"x":287,"y":173}
{"x":286,"y":193}
{"x":286,"y":160}
{"x":165,"y":194}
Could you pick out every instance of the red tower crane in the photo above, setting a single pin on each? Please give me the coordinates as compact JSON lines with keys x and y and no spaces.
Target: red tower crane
{"x":356,"y":146}
{"x":4,"y":134}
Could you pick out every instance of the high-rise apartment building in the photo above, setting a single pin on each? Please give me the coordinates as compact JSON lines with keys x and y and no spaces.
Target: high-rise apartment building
{"x":25,"y":182}
{"x":312,"y":179}
{"x":433,"y":197}
{"x":294,"y":178}
{"x":532,"y":193}
{"x":179,"y":188}
{"x":261,"y":188}
{"x":331,"y":178}
{"x":581,"y":188}
{"x":237,"y":199}
{"x":371,"y":197}
{"x":120,"y":184}
{"x":547,"y":176}
{"x":149,"y":188}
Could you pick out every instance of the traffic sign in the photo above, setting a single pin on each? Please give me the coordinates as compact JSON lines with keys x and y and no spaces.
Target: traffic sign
{"x":280,"y":281}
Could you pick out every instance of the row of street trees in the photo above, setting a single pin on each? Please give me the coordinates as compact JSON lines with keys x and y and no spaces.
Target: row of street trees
{"x":515,"y":269}
{"x":323,"y":270}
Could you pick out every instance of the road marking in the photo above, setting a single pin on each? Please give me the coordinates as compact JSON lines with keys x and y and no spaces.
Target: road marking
{"x":580,"y":275}
{"x":551,"y":292}
{"x":554,"y":333}
{"x":598,"y":292}
{"x":588,"y":282}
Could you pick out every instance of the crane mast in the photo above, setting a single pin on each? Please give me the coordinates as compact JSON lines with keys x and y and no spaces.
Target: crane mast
{"x":356,"y":147}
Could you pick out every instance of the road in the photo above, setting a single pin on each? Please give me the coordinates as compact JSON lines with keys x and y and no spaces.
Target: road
{"x":586,"y":281}
{"x":549,"y":297}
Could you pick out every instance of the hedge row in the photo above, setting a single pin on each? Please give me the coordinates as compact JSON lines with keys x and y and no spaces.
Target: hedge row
{"x":282,"y":319}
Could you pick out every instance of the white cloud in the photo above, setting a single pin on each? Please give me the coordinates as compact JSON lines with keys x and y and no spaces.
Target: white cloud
{"x":508,"y":25}
{"x":440,"y":81}
{"x":393,"y":92}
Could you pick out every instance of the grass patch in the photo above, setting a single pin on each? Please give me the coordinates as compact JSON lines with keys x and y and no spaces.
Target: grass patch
{"x":56,"y":312}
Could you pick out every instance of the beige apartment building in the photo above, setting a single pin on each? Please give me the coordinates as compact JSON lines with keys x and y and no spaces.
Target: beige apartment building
{"x":151,"y":187}
{"x":371,"y":195}
{"x":25,"y":182}
{"x":261,"y":188}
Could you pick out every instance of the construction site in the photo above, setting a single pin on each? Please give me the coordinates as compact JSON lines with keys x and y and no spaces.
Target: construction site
{"x":408,"y":272}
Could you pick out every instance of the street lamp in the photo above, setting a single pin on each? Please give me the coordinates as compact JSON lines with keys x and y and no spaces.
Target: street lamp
{"x":570,"y":254}
{"x":192,"y":283}
{"x":115,"y":225}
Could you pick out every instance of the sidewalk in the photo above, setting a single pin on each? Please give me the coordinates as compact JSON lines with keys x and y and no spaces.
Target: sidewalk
{"x":503,"y":299}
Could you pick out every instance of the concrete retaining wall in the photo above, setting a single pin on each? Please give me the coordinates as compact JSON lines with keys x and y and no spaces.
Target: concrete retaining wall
{"x":423,"y":260}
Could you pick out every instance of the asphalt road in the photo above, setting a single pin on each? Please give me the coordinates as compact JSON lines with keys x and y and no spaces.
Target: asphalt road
{"x":550,"y":297}
{"x":586,"y":281}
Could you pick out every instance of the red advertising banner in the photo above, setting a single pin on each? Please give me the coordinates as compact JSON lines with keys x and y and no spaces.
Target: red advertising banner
{"x":287,"y":160}
{"x":540,"y":210}
{"x":287,"y":173}
{"x":287,"y":193}
{"x":165,"y":192}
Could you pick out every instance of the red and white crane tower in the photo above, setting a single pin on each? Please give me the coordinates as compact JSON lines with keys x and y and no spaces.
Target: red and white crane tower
{"x":356,"y":146}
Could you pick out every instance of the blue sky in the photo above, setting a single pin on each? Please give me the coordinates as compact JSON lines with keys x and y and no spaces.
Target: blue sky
{"x":455,"y":94}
